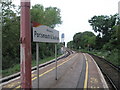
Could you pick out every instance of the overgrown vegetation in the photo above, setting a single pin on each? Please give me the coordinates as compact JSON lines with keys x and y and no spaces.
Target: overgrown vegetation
{"x":106,"y":43}
{"x":16,"y":68}
{"x":110,"y":56}
{"x":49,"y":16}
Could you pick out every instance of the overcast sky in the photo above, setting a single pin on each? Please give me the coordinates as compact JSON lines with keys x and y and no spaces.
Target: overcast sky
{"x":76,"y":13}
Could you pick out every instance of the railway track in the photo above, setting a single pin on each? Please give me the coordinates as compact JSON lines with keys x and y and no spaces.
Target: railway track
{"x":8,"y":78}
{"x":110,"y":71}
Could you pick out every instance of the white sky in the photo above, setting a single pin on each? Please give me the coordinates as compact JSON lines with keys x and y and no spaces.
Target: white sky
{"x":76,"y":13}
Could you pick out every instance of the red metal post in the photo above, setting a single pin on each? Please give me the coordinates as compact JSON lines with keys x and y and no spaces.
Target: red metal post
{"x":25,"y":45}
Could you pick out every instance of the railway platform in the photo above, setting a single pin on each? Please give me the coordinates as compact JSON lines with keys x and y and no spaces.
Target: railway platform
{"x":79,"y":70}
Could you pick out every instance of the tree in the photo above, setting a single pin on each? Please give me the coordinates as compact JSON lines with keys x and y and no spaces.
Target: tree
{"x":70,"y":44}
{"x":77,"y":40}
{"x":114,"y":42}
{"x":84,"y":40}
{"x":10,"y":35}
{"x":11,"y":31}
{"x":49,"y":16}
{"x":104,"y":25}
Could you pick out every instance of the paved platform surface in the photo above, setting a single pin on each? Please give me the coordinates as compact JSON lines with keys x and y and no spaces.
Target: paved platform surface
{"x":79,"y":70}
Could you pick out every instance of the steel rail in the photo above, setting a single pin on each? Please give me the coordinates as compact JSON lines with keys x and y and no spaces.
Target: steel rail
{"x":110,"y":78}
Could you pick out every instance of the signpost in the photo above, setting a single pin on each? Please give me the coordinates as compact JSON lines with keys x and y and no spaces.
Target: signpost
{"x":62,"y":41}
{"x":42,"y":33}
{"x":62,"y":37}
{"x":56,"y":59}
{"x":37,"y":63}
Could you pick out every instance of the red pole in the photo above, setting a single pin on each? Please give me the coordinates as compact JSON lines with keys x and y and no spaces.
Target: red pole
{"x":25,"y":45}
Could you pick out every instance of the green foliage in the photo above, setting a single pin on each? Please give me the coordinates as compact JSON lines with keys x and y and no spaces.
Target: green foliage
{"x":105,"y":26}
{"x":110,"y":48}
{"x":49,"y":16}
{"x":11,"y":70}
{"x":10,"y":35}
{"x":106,"y":55}
{"x":16,"y":68}
{"x":11,"y":32}
{"x":77,"y":40}
{"x":83,"y":40}
{"x":70,"y":44}
{"x":106,"y":44}
{"x":110,"y":55}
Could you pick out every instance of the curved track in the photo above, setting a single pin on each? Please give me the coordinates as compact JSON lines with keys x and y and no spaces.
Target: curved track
{"x":111,"y":72}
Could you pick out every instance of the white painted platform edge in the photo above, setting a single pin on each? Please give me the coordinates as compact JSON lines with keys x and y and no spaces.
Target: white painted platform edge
{"x":101,"y":75}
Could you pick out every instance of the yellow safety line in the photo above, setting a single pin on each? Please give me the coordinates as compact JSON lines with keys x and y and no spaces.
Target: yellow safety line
{"x":86,"y":75}
{"x":18,"y":86}
{"x":50,"y":69}
{"x":47,"y":71}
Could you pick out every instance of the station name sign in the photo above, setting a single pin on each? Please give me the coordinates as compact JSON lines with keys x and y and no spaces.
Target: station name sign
{"x":44,"y":33}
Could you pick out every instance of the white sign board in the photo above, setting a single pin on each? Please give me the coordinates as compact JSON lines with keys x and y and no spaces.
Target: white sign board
{"x":44,"y":33}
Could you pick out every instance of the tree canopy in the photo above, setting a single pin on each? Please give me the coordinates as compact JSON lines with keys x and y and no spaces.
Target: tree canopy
{"x":104,"y":24}
{"x":107,"y":41}
{"x":49,"y":16}
{"x":10,"y":35}
{"x":82,"y":40}
{"x":108,"y":29}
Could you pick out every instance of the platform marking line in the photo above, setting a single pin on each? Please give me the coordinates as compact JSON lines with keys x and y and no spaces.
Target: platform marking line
{"x":93,"y":80}
{"x":86,"y":74}
{"x":50,"y":70}
{"x":11,"y":85}
{"x":5,"y":84}
{"x":17,"y":87}
{"x":100,"y":73}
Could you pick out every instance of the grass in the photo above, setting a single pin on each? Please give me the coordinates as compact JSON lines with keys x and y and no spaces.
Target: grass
{"x":109,"y":56}
{"x":16,"y":67}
